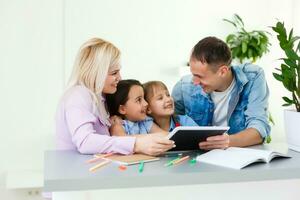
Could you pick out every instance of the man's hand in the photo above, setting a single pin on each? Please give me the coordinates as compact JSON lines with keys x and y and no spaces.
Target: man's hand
{"x":216,"y":142}
{"x":244,"y":138}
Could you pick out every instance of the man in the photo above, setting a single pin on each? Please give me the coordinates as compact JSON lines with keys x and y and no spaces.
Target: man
{"x":217,"y":94}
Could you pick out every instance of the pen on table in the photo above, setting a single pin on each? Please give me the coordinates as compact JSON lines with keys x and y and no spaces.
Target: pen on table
{"x":181,"y":160}
{"x":94,"y":168}
{"x":141,"y":166}
{"x":171,"y":162}
{"x":99,"y":157}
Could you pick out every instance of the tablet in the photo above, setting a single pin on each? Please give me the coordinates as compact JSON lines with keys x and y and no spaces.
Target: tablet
{"x":188,"y":137}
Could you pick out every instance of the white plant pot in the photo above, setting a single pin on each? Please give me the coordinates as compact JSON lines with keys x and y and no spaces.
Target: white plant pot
{"x":292,"y":129}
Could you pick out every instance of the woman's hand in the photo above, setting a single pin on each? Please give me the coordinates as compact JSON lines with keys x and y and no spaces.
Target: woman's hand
{"x":215,"y":142}
{"x":152,"y":144}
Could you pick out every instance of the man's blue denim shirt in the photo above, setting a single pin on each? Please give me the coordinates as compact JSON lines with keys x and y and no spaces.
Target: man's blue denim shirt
{"x":248,"y":104}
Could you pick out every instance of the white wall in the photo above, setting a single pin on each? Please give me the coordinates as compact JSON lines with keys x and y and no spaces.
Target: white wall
{"x":39,"y":40}
{"x":156,"y":36}
{"x":31,"y":81}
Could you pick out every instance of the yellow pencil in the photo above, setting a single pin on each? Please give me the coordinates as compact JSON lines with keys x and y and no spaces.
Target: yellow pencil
{"x":94,"y":168}
{"x":99,"y":157}
{"x":94,"y":160}
{"x":180,"y":160}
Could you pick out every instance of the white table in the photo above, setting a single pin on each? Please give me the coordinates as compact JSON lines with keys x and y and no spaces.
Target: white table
{"x":67,"y":176}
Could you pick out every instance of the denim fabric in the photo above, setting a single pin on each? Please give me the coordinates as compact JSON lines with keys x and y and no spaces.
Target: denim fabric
{"x":183,"y":120}
{"x":140,"y":127}
{"x":248,"y":104}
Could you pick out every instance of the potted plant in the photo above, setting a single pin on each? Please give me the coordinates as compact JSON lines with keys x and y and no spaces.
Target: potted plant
{"x":289,"y":75}
{"x":246,"y":45}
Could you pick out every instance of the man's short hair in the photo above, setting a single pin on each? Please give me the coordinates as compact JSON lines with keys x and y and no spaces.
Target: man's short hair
{"x":212,"y":51}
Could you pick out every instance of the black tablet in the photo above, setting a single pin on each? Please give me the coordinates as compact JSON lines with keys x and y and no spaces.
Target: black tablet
{"x":188,"y":137}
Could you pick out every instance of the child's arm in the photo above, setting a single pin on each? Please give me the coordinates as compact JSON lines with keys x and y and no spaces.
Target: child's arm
{"x":116,"y":128}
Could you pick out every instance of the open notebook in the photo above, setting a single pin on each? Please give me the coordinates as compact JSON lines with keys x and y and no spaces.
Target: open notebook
{"x":238,"y":158}
{"x":129,"y":159}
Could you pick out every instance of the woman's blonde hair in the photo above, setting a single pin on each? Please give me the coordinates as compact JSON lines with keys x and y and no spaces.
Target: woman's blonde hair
{"x":93,"y":61}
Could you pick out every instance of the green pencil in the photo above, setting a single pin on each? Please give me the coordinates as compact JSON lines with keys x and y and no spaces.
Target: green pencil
{"x":141,"y":167}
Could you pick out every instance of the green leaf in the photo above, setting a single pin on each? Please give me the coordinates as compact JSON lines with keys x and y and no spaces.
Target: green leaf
{"x":234,"y":52}
{"x":287,"y":100}
{"x":239,"y":19}
{"x":294,"y":39}
{"x":278,"y":69}
{"x":257,"y":38}
{"x":263,"y":48}
{"x":244,"y":46}
{"x":286,"y":104}
{"x":254,"y":59}
{"x":230,"y":38}
{"x":231,"y":22}
{"x":282,"y":41}
{"x":290,"y":63}
{"x":291,"y":54}
{"x":290,"y":35}
{"x":278,"y":77}
{"x":288,"y":82}
{"x":298,"y":47}
{"x":289,"y":77}
{"x":250,"y":53}
{"x":281,"y":29}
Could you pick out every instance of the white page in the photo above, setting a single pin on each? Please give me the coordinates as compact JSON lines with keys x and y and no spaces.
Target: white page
{"x":234,"y":157}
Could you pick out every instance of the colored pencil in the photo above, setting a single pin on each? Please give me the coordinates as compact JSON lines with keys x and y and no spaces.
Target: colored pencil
{"x":97,"y":158}
{"x":94,"y":168}
{"x":181,"y":160}
{"x":171,"y":162}
{"x":141,"y":167}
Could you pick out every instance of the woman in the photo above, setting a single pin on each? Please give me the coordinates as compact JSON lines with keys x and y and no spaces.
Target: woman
{"x":82,"y":119}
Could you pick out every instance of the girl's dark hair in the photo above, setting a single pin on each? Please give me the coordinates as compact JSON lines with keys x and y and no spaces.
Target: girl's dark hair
{"x":120,"y":97}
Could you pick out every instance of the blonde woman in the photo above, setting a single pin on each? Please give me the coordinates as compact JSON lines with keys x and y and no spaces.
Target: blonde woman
{"x":82,"y":119}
